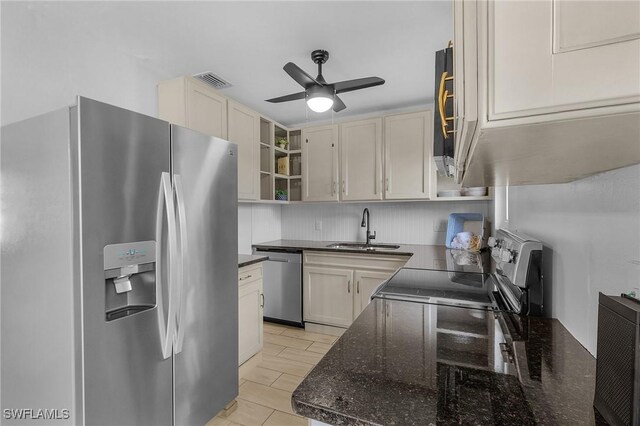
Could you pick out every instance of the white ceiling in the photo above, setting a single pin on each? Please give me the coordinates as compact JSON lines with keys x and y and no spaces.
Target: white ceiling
{"x":248,"y":43}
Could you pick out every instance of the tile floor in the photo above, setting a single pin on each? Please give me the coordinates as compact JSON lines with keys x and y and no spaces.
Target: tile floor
{"x":265,"y":391}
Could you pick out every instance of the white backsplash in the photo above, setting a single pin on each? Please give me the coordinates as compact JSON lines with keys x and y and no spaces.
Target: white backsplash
{"x":257,"y":223}
{"x":591,"y":230}
{"x":406,"y":222}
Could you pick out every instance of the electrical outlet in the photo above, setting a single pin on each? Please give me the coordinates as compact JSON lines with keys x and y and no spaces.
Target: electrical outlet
{"x":318,"y":225}
{"x":440,"y":225}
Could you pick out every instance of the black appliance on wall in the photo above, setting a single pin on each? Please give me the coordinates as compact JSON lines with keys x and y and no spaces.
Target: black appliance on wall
{"x":443,"y":118}
{"x":617,"y":395}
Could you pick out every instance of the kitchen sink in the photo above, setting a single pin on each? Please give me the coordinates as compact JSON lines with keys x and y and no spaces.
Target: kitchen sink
{"x":363,"y":246}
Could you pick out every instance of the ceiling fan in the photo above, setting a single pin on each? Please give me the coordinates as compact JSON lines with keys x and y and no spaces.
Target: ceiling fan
{"x":319,"y":94}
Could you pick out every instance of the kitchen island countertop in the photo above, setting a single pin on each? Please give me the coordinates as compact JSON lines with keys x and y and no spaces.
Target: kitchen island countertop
{"x":397,"y":365}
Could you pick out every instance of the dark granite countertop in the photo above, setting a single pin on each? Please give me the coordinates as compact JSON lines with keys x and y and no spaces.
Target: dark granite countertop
{"x":250,"y":259}
{"x":421,"y":256}
{"x":407,"y":363}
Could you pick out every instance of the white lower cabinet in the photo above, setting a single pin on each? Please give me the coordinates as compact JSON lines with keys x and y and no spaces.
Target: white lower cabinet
{"x":337,"y":288}
{"x":366,"y":283}
{"x":250,"y":307}
{"x":327,"y":296}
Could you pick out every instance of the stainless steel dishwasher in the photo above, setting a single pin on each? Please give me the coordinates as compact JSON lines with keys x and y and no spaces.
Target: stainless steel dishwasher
{"x":282,"y":285}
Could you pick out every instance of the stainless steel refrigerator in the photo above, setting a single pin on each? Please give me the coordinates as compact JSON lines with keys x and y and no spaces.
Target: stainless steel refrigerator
{"x":119,"y":291}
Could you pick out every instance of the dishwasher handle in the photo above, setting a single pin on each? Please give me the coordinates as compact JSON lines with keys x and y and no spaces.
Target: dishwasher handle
{"x":273,"y":259}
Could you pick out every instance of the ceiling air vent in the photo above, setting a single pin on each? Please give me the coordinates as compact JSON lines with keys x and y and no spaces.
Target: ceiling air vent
{"x":213,"y":80}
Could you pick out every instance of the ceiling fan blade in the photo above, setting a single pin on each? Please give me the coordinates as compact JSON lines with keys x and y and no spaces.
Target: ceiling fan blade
{"x":358,"y":83}
{"x":286,"y":98}
{"x":338,"y":105}
{"x":301,"y":77}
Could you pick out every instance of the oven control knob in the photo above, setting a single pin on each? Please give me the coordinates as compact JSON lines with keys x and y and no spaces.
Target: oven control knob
{"x":492,"y":242}
{"x":507,"y":255}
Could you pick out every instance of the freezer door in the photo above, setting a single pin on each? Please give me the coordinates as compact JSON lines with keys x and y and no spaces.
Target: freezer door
{"x":206,"y":346}
{"x":123,"y":156}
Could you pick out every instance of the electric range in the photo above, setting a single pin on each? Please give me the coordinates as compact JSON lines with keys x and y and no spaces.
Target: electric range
{"x":515,"y":285}
{"x":474,"y":311}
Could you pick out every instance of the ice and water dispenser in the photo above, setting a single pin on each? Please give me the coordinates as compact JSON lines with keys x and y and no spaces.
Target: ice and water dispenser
{"x":130,"y":278}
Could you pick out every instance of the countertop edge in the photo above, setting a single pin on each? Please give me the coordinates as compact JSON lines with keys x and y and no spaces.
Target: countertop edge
{"x":324,"y":415}
{"x":252,"y":261}
{"x":338,"y":250}
{"x":419,"y":256}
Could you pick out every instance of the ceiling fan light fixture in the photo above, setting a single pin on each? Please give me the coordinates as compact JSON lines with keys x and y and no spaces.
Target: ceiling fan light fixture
{"x":320,"y":102}
{"x":319,"y":99}
{"x":319,"y":94}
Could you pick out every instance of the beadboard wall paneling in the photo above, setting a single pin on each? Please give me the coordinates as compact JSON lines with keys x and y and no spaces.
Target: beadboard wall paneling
{"x":257,"y":223}
{"x":406,"y":222}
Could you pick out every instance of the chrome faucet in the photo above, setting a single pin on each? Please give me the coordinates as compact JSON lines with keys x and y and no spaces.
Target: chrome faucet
{"x":365,"y":222}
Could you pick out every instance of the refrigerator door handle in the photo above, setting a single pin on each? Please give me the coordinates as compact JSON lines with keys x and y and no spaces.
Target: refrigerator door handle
{"x":165,"y":205}
{"x":182,"y":269}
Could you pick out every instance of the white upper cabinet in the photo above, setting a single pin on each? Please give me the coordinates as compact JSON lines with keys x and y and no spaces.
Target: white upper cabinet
{"x":244,"y":130}
{"x":552,"y":56}
{"x":545,"y":91}
{"x":361,"y":160}
{"x":190,"y":103}
{"x":409,"y":171}
{"x":320,"y":163}
{"x":206,"y":110}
